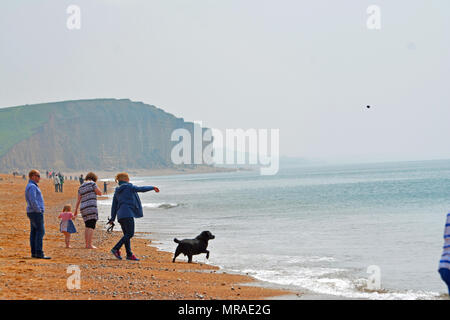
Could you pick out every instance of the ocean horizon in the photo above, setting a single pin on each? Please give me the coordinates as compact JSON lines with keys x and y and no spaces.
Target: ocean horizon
{"x":311,"y":229}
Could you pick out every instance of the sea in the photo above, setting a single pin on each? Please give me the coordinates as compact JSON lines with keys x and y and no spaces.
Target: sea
{"x":319,"y":230}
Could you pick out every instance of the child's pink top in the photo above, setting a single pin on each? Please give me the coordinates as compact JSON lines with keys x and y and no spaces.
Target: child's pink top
{"x":66,"y":216}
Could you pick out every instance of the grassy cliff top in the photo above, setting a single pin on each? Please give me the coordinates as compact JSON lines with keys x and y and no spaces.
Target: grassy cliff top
{"x":21,"y":122}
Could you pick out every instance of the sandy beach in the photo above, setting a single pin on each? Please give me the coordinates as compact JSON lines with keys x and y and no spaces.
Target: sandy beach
{"x":102,"y":276}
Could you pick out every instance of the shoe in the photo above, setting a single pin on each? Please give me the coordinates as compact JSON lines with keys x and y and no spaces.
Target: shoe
{"x":116,"y":254}
{"x":132,"y":257}
{"x":43,"y":257}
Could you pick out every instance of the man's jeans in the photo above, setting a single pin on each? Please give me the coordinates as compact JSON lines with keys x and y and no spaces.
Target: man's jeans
{"x":127,"y":225}
{"x":37,"y":233}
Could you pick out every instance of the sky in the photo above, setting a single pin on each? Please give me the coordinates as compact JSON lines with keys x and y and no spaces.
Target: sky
{"x":307,"y":68}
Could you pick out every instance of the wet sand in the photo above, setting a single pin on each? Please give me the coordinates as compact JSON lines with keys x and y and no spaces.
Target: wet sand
{"x":102,"y":276}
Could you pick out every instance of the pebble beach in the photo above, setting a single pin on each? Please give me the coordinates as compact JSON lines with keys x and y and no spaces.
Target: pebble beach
{"x":102,"y":277}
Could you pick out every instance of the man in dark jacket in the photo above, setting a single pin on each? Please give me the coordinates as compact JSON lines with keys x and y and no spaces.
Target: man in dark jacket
{"x":127,"y":206}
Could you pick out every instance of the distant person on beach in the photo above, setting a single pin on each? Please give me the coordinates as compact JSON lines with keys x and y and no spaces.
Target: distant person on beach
{"x":35,"y":212}
{"x":126,"y":206}
{"x":66,"y":225}
{"x":56,"y":182}
{"x":105,"y":187}
{"x":444,"y":263}
{"x":81,"y":180}
{"x":61,"y":183}
{"x":87,"y":202}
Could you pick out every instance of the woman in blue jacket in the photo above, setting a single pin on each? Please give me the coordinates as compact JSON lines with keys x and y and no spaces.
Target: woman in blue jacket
{"x":126,"y":206}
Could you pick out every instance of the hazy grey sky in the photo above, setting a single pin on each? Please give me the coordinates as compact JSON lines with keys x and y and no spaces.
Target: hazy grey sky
{"x":308,"y":68}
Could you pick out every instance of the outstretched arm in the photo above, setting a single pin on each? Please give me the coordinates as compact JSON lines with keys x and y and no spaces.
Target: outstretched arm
{"x":145,"y":189}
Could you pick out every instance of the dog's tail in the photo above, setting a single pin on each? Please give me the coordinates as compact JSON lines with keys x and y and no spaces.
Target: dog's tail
{"x":176,"y":240}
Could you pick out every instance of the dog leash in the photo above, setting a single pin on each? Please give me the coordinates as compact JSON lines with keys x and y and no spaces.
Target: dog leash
{"x":111,"y":227}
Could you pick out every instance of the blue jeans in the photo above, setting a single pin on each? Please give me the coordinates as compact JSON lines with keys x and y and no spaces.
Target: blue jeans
{"x":127,"y":225}
{"x":37,"y":233}
{"x":445,"y":275}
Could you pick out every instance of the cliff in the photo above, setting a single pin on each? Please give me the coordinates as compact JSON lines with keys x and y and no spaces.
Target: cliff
{"x":99,"y":134}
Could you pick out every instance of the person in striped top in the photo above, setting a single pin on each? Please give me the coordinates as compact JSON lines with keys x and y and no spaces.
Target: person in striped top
{"x":444,"y":263}
{"x":87,"y":202}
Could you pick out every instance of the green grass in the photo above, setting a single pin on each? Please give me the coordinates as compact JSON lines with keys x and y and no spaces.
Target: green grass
{"x":19,"y":123}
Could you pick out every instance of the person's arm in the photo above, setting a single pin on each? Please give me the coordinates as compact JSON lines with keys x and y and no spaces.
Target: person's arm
{"x":145,"y":189}
{"x":113,"y":210}
{"x":447,"y":228}
{"x":98,"y":191}
{"x":77,"y":206}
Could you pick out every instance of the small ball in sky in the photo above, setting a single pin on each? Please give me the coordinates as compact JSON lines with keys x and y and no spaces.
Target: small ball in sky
{"x":368,"y":107}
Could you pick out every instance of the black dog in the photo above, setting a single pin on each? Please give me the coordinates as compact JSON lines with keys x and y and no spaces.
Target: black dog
{"x":190,"y":247}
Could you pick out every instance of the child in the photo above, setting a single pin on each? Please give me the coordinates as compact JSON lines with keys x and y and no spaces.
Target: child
{"x":126,"y":206}
{"x":66,"y":225}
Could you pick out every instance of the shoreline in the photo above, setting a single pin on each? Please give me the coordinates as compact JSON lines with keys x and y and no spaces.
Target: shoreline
{"x":286,"y":294}
{"x":102,"y":276}
{"x":110,"y":174}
